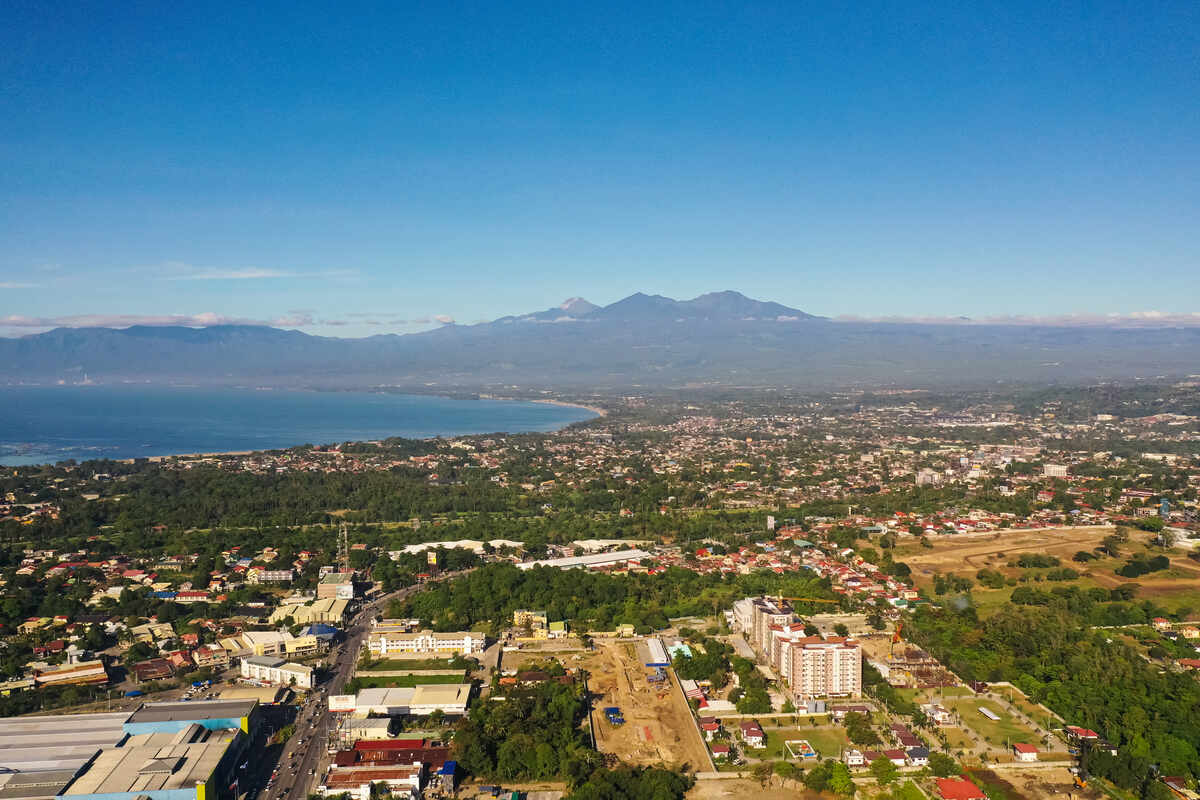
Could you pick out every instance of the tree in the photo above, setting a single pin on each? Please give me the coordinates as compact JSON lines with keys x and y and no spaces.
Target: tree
{"x":840,"y":781}
{"x":858,"y":729}
{"x":884,"y":770}
{"x":841,"y":630}
{"x":754,"y":701}
{"x":762,"y":772}
{"x":942,"y":765}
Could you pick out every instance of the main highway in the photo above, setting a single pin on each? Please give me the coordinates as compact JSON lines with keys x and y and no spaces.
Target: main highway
{"x":302,"y":761}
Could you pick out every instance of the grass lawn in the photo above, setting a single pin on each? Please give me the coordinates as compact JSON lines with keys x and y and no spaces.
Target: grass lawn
{"x":997,"y":732}
{"x":401,"y":681}
{"x":827,"y":741}
{"x":958,"y":739}
{"x":404,"y":663}
{"x":925,"y":695}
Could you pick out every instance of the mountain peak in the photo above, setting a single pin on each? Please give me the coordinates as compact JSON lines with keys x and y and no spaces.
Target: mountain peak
{"x":576,"y":306}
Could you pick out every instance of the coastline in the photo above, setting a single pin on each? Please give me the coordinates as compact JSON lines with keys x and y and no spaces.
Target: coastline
{"x":30,"y":457}
{"x":599,"y":412}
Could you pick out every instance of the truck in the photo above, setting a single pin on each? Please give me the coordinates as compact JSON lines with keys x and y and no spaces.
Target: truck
{"x":613,"y":714}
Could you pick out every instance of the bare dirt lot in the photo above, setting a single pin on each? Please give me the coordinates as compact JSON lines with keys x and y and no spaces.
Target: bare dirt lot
{"x":973,"y":553}
{"x":658,"y":723}
{"x":737,"y":788}
{"x":1041,"y":784}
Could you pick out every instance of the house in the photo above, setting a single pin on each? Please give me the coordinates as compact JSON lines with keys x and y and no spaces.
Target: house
{"x":710,"y":726}
{"x":211,"y":655}
{"x":917,"y":756}
{"x":1076,"y":736}
{"x":153,"y":669}
{"x":854,"y":758}
{"x":752,"y":734}
{"x":938,"y":714}
{"x":720,"y":752}
{"x":1179,"y":787}
{"x":1161,"y":624}
{"x":1190,"y":632}
{"x":898,"y":757}
{"x":959,"y":789}
{"x":1024,"y":752}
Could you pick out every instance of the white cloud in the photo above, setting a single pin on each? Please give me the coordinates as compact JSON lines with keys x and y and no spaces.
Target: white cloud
{"x":180,"y":271}
{"x":202,"y":320}
{"x":248,"y":274}
{"x":445,"y":319}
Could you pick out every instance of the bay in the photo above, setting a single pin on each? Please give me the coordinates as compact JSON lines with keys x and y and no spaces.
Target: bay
{"x":49,"y":424}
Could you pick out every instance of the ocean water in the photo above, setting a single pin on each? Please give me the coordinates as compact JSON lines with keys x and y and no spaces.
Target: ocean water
{"x":47,"y":424}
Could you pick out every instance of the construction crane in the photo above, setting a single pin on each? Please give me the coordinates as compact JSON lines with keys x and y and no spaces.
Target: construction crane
{"x":895,"y":638}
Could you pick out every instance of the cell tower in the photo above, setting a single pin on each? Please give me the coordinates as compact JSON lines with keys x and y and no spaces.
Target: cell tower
{"x":343,"y":553}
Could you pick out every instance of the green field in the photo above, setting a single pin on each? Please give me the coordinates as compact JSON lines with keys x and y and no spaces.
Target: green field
{"x":385,"y":664}
{"x":1005,"y":730}
{"x":827,"y":741}
{"x":399,"y":681}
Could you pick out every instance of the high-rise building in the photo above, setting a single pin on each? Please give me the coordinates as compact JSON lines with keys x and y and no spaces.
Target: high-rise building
{"x":825,"y":668}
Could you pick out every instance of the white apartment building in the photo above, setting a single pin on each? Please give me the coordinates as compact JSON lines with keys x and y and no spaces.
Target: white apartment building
{"x":383,"y":643}
{"x":1054,"y":471}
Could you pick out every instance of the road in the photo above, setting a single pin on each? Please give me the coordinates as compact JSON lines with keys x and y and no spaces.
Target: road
{"x":303,"y":759}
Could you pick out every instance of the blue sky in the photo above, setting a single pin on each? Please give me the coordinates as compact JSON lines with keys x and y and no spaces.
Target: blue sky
{"x":357,"y":169}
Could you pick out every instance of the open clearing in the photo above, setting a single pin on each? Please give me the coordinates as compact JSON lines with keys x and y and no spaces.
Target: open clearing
{"x":658,"y":722}
{"x":738,"y":788}
{"x":972,"y":553}
{"x":967,"y":554}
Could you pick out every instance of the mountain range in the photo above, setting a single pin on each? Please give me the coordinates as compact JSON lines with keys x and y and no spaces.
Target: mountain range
{"x":723,"y":338}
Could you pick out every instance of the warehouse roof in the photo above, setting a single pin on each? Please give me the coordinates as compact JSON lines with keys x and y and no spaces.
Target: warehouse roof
{"x":441,"y":694}
{"x":590,"y":560}
{"x":196,"y":709}
{"x":155,"y":762}
{"x":59,"y":742}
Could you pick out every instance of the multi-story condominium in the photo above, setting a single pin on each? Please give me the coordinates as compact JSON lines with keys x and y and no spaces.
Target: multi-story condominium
{"x":383,"y":643}
{"x":825,"y":668}
{"x":754,"y":616}
{"x":811,"y":666}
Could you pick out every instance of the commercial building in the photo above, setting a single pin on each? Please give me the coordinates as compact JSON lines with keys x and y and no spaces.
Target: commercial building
{"x":591,"y":560}
{"x":256,"y":643}
{"x":75,"y":674}
{"x":331,"y":610}
{"x":256,"y":575}
{"x":417,"y":701}
{"x":1054,"y":471}
{"x":277,"y":671}
{"x":162,"y":751}
{"x":384,"y":643}
{"x":195,"y":763}
{"x":336,"y":586}
{"x":41,"y":755}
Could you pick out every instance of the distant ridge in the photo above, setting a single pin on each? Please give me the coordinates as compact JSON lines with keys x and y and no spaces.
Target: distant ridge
{"x":722,"y":338}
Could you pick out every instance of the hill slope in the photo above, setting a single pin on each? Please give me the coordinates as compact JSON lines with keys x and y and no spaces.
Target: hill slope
{"x":722,"y":338}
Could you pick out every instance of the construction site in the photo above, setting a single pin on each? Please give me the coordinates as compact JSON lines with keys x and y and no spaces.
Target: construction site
{"x":657,"y":726}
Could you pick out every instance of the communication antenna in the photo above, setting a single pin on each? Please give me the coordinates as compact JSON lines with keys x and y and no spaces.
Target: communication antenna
{"x":343,"y":553}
